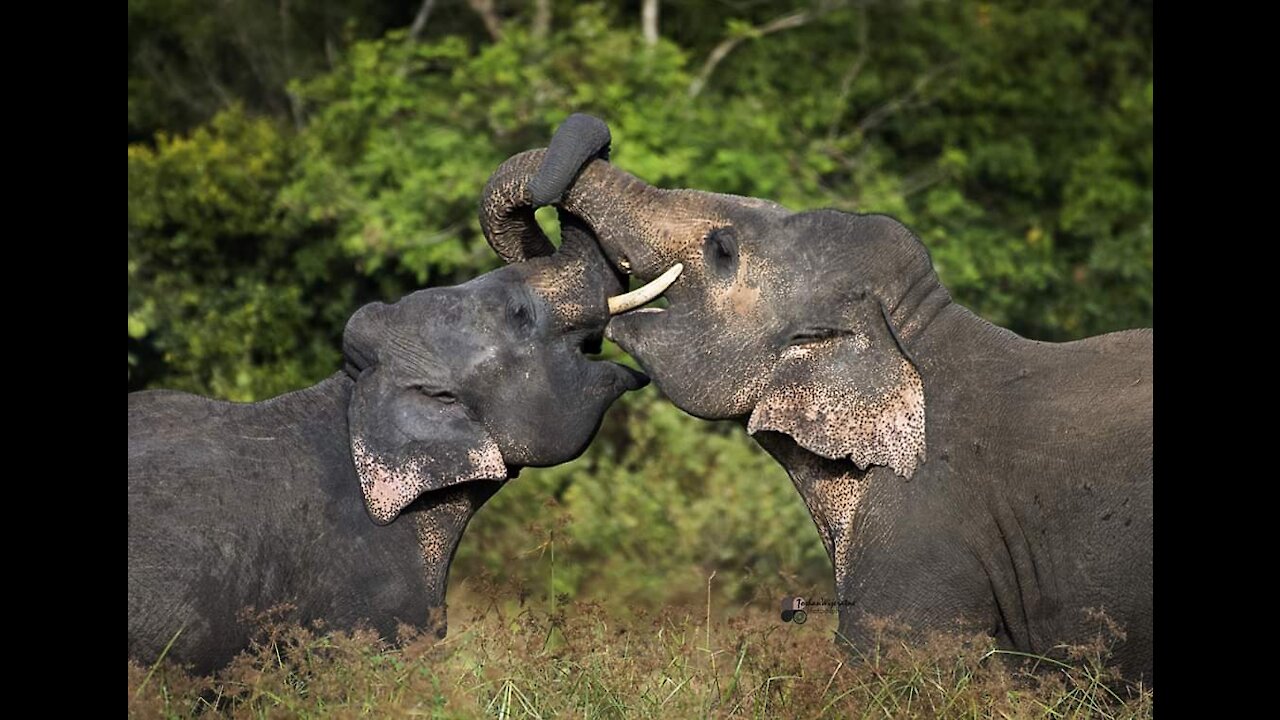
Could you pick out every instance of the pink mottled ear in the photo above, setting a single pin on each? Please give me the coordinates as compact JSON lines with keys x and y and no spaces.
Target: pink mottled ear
{"x":404,"y":444}
{"x":852,"y":395}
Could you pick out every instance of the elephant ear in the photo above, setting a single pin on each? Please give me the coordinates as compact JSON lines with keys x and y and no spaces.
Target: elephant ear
{"x":405,"y":443}
{"x":849,"y":392}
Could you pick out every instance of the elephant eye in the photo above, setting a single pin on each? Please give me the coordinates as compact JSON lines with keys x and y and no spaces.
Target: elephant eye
{"x":720,"y":250}
{"x":815,"y":334}
{"x":443,"y":397}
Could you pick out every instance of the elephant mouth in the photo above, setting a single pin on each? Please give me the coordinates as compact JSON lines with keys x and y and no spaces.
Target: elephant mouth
{"x":592,"y":344}
{"x":631,"y":316}
{"x":605,"y":377}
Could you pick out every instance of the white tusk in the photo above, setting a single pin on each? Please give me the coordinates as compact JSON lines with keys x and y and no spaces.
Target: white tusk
{"x":647,"y":293}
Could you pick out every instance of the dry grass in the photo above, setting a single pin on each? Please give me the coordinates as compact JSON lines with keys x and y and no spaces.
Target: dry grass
{"x":580,"y":660}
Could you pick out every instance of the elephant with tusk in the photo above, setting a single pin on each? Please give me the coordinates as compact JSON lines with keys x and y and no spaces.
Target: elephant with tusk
{"x":961,"y":477}
{"x":348,"y":499}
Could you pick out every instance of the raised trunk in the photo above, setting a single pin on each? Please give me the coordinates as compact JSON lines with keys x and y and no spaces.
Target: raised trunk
{"x":523,"y":184}
{"x":578,"y":139}
{"x":639,"y":227}
{"x":506,"y":210}
{"x":635,"y":223}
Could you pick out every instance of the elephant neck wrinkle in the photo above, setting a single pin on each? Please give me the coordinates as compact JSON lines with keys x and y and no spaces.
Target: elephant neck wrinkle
{"x":918,"y":306}
{"x":964,"y":355}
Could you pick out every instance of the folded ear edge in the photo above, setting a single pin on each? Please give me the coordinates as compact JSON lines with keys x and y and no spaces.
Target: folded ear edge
{"x":855,"y":396}
{"x":388,"y":489}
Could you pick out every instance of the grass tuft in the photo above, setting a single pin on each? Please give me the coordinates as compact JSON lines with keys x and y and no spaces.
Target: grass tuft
{"x":521,"y":661}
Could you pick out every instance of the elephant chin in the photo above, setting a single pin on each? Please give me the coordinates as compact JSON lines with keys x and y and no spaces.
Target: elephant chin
{"x":635,"y":331}
{"x":653,"y":337}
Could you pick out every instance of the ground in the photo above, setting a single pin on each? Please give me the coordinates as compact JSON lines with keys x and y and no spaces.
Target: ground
{"x":546,"y":659}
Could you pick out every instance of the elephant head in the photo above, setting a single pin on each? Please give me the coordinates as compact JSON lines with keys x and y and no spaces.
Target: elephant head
{"x":796,"y":323}
{"x":473,"y":382}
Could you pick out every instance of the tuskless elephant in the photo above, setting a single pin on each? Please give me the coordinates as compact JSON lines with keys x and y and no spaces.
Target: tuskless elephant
{"x":347,"y":499}
{"x":962,"y":477}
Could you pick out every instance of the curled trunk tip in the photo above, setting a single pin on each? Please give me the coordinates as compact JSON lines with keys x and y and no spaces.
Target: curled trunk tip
{"x":579,"y":139}
{"x":506,"y":213}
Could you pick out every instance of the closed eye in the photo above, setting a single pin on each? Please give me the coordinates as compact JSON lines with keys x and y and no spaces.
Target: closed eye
{"x":441,"y":396}
{"x":815,"y":334}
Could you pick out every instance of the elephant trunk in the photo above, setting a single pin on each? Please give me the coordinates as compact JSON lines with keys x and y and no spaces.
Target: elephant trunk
{"x":527,"y":181}
{"x":579,"y":139}
{"x":639,"y":227}
{"x":506,"y":210}
{"x":578,"y":280}
{"x":629,"y":217}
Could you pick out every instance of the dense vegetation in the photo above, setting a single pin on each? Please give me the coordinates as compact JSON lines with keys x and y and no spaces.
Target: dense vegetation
{"x":289,"y":162}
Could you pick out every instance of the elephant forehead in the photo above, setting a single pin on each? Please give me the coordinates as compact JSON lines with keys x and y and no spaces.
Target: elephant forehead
{"x":442,"y":303}
{"x":570,"y":296}
{"x":479,"y":303}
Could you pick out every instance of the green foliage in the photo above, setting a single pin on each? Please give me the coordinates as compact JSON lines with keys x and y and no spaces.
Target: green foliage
{"x":1015,"y":139}
{"x":657,"y":491}
{"x":221,"y":280}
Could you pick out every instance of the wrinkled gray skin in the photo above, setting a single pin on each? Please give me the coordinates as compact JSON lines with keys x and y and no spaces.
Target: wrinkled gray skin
{"x":960,"y":476}
{"x":446,"y":394}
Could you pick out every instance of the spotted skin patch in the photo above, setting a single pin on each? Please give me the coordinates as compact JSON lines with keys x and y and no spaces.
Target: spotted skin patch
{"x":439,"y":520}
{"x":835,"y":499}
{"x":833,"y":491}
{"x":390,"y":487}
{"x":874,"y":415}
{"x":741,"y":300}
{"x":566,"y":288}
